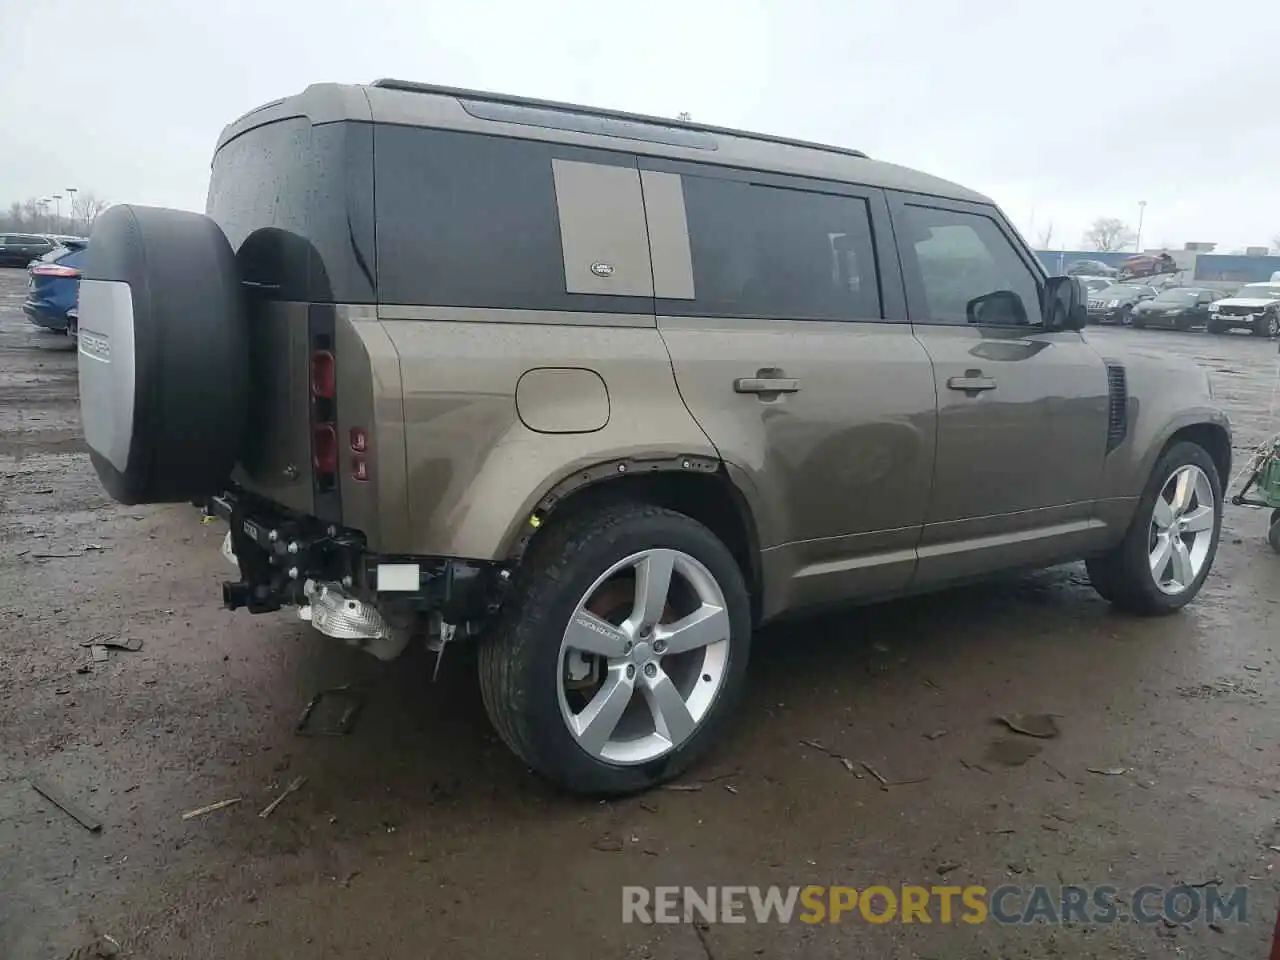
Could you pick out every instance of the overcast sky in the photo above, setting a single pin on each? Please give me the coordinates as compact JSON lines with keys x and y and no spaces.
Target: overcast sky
{"x":1062,"y":112}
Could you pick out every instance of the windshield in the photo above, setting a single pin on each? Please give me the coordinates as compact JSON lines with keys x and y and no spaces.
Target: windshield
{"x":1178,"y":296}
{"x":1260,"y":291}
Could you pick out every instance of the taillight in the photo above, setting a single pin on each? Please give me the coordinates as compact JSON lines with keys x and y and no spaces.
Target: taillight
{"x":323,"y":378}
{"x":324,"y":448}
{"x":359,"y":440}
{"x":53,"y":270}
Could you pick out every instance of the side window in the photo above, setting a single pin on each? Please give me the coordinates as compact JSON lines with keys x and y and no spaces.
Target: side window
{"x":961,"y":259}
{"x":466,"y":220}
{"x":779,"y":253}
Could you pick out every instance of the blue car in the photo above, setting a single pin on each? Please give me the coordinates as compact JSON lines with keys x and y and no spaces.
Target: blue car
{"x":53,"y":287}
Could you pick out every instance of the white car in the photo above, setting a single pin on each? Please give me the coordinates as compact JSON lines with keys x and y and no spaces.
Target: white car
{"x":1255,"y":307}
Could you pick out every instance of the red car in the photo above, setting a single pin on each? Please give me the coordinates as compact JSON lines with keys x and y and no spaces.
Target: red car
{"x":1147,"y":265}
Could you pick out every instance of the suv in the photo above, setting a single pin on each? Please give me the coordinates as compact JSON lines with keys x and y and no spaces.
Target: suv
{"x":602,"y":393}
{"x":1255,"y":307}
{"x":19,"y":249}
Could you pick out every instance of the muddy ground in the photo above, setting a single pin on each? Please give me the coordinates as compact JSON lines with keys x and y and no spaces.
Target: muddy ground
{"x":418,"y":835}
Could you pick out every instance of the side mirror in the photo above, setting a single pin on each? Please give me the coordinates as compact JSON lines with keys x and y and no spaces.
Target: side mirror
{"x":1001,"y":308}
{"x":1064,"y":307}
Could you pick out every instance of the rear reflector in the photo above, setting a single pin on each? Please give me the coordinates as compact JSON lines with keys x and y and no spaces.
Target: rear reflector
{"x":53,"y":270}
{"x":359,"y":469}
{"x":324,"y":448}
{"x":359,"y":440}
{"x":323,"y":381}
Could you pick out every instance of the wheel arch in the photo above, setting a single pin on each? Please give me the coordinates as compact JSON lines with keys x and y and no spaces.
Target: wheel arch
{"x":1214,"y":438}
{"x":699,"y":487}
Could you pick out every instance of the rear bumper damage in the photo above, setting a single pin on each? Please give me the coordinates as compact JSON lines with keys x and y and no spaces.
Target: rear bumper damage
{"x":346,"y":591}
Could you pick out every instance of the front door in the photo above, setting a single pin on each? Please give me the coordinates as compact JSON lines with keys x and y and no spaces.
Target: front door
{"x":1022,"y":412}
{"x":781,"y":304}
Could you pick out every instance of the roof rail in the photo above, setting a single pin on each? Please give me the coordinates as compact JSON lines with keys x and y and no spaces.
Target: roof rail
{"x":410,"y":86}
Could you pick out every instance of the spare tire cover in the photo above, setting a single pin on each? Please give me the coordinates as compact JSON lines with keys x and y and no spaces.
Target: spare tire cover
{"x":163,"y":355}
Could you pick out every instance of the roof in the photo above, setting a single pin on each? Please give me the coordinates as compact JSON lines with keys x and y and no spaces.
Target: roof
{"x":425,"y":105}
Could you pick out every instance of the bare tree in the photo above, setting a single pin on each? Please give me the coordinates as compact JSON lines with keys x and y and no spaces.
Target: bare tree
{"x":85,"y":209}
{"x":1045,"y":237}
{"x":1108,"y":234}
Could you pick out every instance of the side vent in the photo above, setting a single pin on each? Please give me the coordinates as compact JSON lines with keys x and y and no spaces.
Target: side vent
{"x":1117,"y":405}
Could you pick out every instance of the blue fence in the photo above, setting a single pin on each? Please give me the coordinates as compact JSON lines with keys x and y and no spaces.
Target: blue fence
{"x":1235,"y":267}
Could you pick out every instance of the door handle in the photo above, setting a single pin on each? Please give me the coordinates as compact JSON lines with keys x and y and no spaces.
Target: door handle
{"x":972,"y":383}
{"x":766,"y":385}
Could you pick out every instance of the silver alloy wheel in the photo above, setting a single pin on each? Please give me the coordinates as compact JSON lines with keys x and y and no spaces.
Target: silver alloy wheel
{"x":1273,"y":325}
{"x":1181,"y":529}
{"x":657,"y":671}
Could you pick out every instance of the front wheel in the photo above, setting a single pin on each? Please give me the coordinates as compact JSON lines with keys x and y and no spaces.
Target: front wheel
{"x":622,"y":651}
{"x":1169,"y":547}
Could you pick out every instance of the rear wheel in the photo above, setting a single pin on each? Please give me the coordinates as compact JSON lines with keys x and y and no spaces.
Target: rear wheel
{"x":1273,"y":531}
{"x":623,"y":650}
{"x":1171,"y":542}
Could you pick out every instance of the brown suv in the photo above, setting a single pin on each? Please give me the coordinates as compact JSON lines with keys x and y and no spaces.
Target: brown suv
{"x":602,"y":393}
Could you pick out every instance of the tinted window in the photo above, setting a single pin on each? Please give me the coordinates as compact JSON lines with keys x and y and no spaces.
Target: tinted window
{"x":771,"y":252}
{"x":470,"y":221}
{"x":959,"y":257}
{"x":296,"y":203}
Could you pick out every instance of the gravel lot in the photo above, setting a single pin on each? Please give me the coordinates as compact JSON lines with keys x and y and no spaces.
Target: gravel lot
{"x":418,"y":835}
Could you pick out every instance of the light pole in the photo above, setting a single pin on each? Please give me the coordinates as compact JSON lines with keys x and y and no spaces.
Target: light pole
{"x":57,"y":212}
{"x":1137,"y":242}
{"x":44,"y":211}
{"x":71,"y":200}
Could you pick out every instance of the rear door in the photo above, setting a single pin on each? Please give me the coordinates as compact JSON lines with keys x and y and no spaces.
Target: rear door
{"x":1022,"y":412}
{"x":781,"y":304}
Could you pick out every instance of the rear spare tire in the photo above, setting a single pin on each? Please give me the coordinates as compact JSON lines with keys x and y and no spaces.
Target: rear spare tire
{"x":164,"y":357}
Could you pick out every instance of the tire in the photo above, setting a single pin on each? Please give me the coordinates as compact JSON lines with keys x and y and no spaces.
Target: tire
{"x":1126,"y":316}
{"x":522,"y":666}
{"x":1261,"y":327}
{"x":164,"y":357}
{"x":1273,"y":531}
{"x":1124,"y":576}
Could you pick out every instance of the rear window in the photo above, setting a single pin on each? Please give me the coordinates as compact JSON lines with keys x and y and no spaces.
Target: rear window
{"x":69,"y":255}
{"x":295,"y":201}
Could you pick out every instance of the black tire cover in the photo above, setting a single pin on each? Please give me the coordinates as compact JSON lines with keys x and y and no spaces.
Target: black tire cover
{"x":164,"y":356}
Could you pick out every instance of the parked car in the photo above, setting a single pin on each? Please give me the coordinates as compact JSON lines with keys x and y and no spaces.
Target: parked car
{"x":1147,"y":265}
{"x":1090,"y":268}
{"x":1254,"y":307}
{"x":53,"y":287}
{"x":1115,"y":304}
{"x":19,"y":249}
{"x":1178,"y":307}
{"x":777,"y":376}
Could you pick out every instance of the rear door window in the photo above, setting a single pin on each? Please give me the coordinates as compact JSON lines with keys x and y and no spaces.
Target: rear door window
{"x":778,"y":253}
